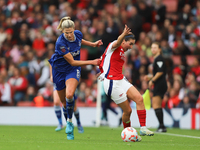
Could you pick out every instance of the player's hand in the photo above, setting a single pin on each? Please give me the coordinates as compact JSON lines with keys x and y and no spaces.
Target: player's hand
{"x":96,"y":62}
{"x":127,"y":30}
{"x":98,"y":43}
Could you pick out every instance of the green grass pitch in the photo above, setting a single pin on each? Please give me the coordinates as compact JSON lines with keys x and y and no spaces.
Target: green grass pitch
{"x":103,"y":138}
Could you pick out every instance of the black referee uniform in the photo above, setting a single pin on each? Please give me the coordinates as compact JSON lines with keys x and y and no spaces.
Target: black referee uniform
{"x":160,"y":85}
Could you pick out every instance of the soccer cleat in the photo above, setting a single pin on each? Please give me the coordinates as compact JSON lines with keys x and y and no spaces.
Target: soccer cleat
{"x":70,"y":136}
{"x":139,"y":139}
{"x":59,"y":128}
{"x":80,"y":129}
{"x":69,"y":127}
{"x":163,"y":129}
{"x":145,"y":131}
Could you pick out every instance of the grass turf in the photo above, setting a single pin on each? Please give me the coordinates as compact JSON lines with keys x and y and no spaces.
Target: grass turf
{"x":103,"y":138}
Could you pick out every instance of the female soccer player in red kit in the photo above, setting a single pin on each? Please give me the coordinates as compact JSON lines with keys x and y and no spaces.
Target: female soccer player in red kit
{"x":115,"y":84}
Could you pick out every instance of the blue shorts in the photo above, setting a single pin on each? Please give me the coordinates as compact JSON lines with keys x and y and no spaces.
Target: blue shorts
{"x":59,"y":78}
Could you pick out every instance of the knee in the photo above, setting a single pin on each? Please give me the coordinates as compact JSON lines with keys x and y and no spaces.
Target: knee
{"x":69,"y":95}
{"x":56,"y":103}
{"x":140,"y":100}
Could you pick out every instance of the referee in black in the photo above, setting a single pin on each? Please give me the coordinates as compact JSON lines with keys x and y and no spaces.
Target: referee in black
{"x":158,"y":79}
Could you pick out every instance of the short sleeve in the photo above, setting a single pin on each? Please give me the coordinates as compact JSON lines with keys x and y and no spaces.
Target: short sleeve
{"x":160,"y":65}
{"x":79,"y":34}
{"x":61,"y":49}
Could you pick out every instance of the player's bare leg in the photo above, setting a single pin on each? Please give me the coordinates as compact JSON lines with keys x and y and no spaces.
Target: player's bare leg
{"x":133,"y":94}
{"x":125,"y":106}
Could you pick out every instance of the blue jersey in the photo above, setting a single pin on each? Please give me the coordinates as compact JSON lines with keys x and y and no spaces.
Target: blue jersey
{"x":64,"y":46}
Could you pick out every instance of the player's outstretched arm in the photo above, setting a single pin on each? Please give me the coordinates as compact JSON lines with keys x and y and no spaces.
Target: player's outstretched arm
{"x":120,"y":38}
{"x":69,"y":58}
{"x":92,"y":44}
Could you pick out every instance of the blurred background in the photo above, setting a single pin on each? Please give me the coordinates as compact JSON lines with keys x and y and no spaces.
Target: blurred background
{"x":28,"y":34}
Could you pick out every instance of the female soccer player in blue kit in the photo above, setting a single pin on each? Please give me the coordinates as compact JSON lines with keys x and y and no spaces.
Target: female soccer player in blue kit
{"x":65,"y":66}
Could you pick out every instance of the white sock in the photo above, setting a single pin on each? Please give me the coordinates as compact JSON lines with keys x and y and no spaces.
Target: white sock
{"x":70,"y":120}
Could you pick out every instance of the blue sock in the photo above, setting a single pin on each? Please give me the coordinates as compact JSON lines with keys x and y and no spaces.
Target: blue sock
{"x":65,"y":113}
{"x":70,"y":107}
{"x":58,"y":114}
{"x":76,"y":113}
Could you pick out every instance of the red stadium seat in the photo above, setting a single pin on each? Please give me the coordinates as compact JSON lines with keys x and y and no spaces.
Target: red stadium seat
{"x":84,"y":54}
{"x":171,"y":5}
{"x":109,"y":8}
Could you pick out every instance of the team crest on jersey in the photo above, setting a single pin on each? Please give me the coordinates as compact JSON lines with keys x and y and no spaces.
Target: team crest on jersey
{"x":63,"y":49}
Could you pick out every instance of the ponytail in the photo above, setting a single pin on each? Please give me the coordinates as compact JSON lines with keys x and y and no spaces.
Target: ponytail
{"x":65,"y":22}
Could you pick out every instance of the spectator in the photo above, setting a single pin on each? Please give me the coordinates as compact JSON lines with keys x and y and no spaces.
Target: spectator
{"x":5,"y":92}
{"x":159,"y":11}
{"x":171,"y":35}
{"x":178,"y":86}
{"x":152,"y":33}
{"x":141,"y":39}
{"x":144,"y":10}
{"x":181,"y":48}
{"x":134,"y":21}
{"x":197,"y":49}
{"x":23,"y":39}
{"x":192,"y":43}
{"x":146,"y":47}
{"x":184,"y":17}
{"x":2,"y":35}
{"x":185,"y":103}
{"x":195,"y":68}
{"x":186,"y":34}
{"x":164,"y":30}
{"x":166,"y":50}
{"x":81,"y":92}
{"x":40,"y":69}
{"x":30,"y":94}
{"x":193,"y":93}
{"x":47,"y":91}
{"x":173,"y":98}
{"x":39,"y":45}
{"x":88,"y":96}
{"x":19,"y":84}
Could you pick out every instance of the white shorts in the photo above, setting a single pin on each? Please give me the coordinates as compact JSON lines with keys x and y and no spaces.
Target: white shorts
{"x":117,"y":89}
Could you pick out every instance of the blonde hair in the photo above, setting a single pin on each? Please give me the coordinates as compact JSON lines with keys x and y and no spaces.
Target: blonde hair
{"x":65,"y":22}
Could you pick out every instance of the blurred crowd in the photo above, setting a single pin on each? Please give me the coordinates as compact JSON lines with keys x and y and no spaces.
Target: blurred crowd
{"x":28,"y":34}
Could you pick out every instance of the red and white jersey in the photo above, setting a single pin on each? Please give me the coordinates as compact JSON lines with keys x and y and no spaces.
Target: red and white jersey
{"x":112,"y":62}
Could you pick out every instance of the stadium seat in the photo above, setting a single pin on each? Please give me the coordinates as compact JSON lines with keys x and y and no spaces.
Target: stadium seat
{"x":171,"y":5}
{"x":84,"y":54}
{"x":177,"y":59}
{"x":25,"y":104}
